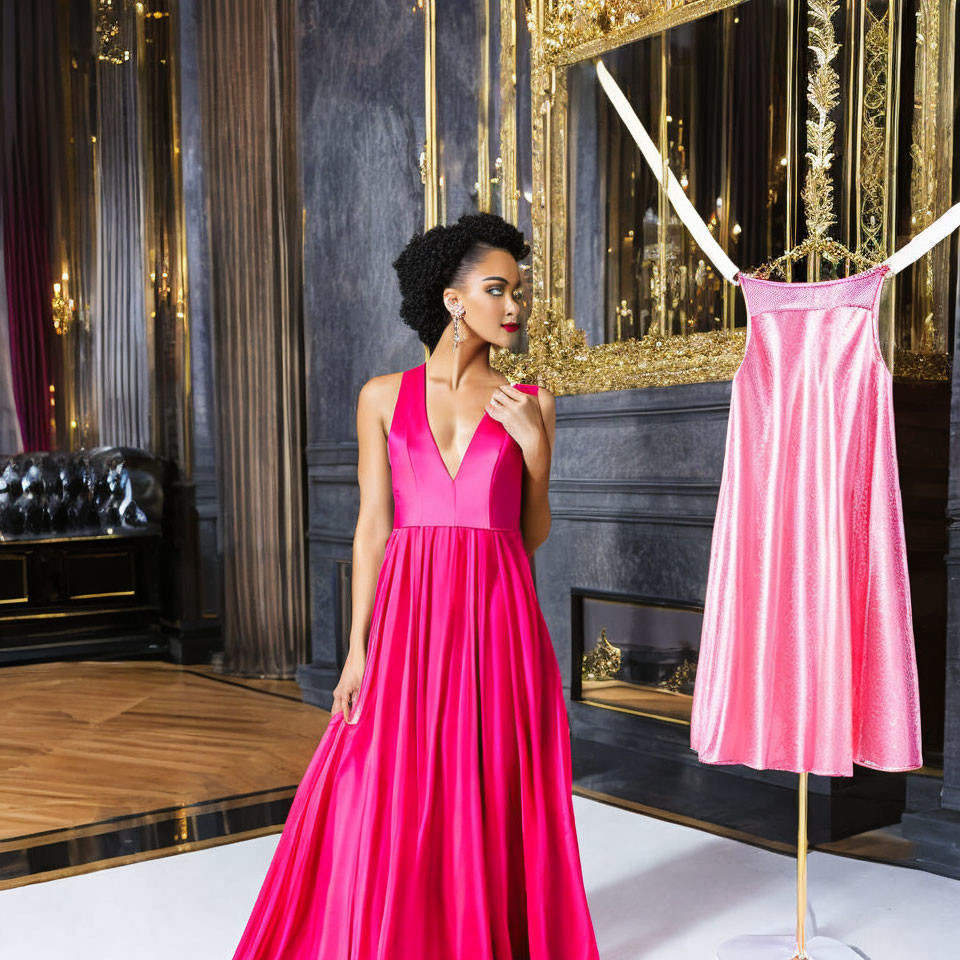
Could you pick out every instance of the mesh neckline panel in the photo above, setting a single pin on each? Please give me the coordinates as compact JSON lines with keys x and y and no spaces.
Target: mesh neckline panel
{"x":770,"y":296}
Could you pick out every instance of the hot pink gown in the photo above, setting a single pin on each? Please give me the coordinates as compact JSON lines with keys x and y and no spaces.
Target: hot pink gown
{"x":440,"y":825}
{"x":807,"y":659}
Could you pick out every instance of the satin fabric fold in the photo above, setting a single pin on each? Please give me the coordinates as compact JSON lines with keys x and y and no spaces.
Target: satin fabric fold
{"x":438,"y":823}
{"x":807,"y":657}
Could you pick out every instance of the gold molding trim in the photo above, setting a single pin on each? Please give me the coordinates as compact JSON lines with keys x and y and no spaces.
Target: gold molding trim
{"x":100,"y":596}
{"x":181,"y":304}
{"x":483,"y":113}
{"x":931,"y":173}
{"x":599,"y":704}
{"x":577,"y":30}
{"x":70,"y":613}
{"x":823,"y":96}
{"x":507,"y":174}
{"x":124,"y":859}
{"x":429,"y":159}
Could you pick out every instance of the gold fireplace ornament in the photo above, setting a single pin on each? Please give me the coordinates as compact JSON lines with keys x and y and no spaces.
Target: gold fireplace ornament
{"x":603,"y":661}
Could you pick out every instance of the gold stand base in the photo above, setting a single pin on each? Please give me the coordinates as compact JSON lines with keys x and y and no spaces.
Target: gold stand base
{"x":784,"y":948}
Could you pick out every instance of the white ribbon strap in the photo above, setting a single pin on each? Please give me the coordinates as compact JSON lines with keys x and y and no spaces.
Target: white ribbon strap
{"x":924,"y":240}
{"x":675,"y":194}
{"x":907,"y":254}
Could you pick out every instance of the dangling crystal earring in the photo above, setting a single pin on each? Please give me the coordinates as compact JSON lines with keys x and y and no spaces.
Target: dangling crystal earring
{"x":457,"y":317}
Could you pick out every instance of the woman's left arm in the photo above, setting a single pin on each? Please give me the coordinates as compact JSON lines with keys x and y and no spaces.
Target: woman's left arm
{"x":531,"y":420}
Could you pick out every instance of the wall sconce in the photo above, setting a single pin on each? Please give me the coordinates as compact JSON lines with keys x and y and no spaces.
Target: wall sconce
{"x":62,"y":306}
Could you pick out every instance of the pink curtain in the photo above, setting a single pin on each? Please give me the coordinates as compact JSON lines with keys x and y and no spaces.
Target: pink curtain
{"x":25,"y":179}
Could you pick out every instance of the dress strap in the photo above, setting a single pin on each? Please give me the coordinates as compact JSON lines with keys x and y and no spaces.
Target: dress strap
{"x":925,"y":240}
{"x":401,"y":411}
{"x":675,"y":193}
{"x":692,"y":220}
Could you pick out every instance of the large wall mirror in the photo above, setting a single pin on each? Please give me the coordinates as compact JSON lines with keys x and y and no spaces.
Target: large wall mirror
{"x":95,"y":345}
{"x":779,"y":117}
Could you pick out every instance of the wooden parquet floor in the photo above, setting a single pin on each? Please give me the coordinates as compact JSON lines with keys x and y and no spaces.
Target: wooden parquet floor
{"x":82,"y":742}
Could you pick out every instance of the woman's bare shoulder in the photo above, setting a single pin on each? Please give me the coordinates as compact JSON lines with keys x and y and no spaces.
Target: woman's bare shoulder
{"x":382,"y":385}
{"x":546,"y":398}
{"x":378,"y":397}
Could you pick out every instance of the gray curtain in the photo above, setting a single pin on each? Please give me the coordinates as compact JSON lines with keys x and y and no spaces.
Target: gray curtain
{"x":9,"y":426}
{"x":120,"y":326}
{"x":248,"y":82}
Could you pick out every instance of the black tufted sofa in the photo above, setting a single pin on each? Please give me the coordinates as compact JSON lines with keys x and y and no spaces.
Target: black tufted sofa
{"x":108,"y":489}
{"x":81,"y":536}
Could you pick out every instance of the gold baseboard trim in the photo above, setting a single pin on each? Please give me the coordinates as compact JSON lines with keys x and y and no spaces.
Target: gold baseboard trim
{"x":102,"y":834}
{"x":635,"y":713}
{"x":100,"y":596}
{"x":137,"y":857}
{"x":147,"y":818}
{"x":77,"y":613}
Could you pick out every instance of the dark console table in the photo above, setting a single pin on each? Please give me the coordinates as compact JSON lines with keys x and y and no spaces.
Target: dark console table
{"x":80,"y":543}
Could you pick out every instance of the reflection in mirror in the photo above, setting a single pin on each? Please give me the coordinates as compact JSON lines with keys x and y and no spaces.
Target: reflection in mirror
{"x":725,"y":121}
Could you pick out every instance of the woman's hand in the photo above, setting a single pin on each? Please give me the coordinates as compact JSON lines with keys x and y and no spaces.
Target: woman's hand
{"x":345,"y":692}
{"x":520,"y":415}
{"x":531,"y":419}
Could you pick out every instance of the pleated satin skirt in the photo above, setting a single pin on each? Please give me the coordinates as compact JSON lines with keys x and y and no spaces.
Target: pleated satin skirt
{"x":438,"y":824}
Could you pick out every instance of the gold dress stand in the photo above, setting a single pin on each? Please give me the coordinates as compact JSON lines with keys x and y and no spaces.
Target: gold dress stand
{"x":798,"y":947}
{"x":791,"y":947}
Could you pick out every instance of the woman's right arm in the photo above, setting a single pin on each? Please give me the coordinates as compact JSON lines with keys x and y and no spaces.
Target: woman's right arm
{"x":374,"y":523}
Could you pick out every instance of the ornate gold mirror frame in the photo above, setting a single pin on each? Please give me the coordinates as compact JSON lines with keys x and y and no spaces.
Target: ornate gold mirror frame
{"x":567,"y":33}
{"x":564,"y":34}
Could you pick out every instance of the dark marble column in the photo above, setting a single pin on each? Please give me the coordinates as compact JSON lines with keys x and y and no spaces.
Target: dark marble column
{"x":195,"y":583}
{"x":934,"y":822}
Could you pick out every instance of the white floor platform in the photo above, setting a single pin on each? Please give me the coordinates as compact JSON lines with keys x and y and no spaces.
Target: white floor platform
{"x":657,"y":892}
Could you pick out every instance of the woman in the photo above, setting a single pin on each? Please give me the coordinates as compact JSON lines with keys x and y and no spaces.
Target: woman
{"x":435,"y":820}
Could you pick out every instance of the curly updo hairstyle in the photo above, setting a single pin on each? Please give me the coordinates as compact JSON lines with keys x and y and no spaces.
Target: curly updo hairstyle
{"x":442,"y":257}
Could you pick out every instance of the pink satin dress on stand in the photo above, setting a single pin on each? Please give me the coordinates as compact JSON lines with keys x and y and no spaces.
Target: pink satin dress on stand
{"x":438,"y":824}
{"x":807,"y":658}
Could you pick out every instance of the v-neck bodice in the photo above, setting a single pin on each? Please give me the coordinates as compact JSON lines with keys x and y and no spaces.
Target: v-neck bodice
{"x":485,"y":492}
